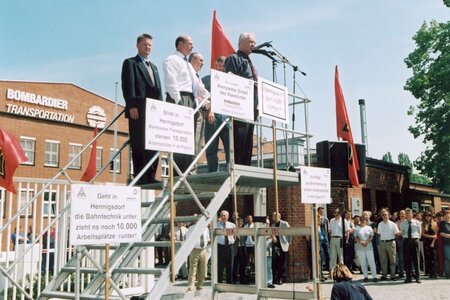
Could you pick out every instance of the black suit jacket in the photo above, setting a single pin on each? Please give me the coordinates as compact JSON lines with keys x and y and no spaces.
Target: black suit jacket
{"x":137,"y":84}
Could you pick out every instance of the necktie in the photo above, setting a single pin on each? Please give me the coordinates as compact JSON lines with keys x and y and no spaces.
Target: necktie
{"x":202,"y":241}
{"x":227,"y":242}
{"x":181,"y":235}
{"x":150,"y":71}
{"x":409,"y":230}
{"x":254,"y":73}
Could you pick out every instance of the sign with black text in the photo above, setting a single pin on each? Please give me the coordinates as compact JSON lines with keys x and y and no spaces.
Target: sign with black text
{"x":315,"y":185}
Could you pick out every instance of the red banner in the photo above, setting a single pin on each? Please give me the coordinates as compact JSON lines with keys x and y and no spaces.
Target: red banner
{"x":220,"y":44}
{"x":91,"y":169}
{"x":344,"y":130}
{"x":11,"y":156}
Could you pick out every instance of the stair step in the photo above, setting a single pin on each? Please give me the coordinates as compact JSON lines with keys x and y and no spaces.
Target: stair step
{"x":67,"y":295}
{"x":163,"y":244}
{"x":85,"y":270}
{"x":183,"y":197}
{"x":180,"y":219}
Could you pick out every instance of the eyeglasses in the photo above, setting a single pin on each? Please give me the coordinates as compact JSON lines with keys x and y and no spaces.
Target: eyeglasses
{"x":385,"y":214}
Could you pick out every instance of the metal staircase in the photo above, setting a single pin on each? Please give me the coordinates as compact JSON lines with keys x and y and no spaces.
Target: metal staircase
{"x":213,"y":187}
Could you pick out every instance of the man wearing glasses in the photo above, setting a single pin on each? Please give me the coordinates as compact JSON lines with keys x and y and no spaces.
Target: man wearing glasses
{"x":387,"y":230}
{"x":336,"y":243}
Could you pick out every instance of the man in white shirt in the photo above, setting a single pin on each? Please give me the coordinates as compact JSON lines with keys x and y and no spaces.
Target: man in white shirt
{"x":388,"y":231}
{"x":182,"y":85}
{"x":337,"y":235}
{"x":197,"y":260}
{"x":224,"y":249}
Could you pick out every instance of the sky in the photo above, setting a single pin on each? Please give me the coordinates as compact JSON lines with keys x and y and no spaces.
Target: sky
{"x":85,"y":42}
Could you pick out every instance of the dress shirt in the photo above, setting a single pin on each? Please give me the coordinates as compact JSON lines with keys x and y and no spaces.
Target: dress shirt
{"x":416,"y":229}
{"x":249,"y":239}
{"x":205,"y":237}
{"x":387,"y":231}
{"x":336,"y":227}
{"x":179,"y":76}
{"x":221,"y":238}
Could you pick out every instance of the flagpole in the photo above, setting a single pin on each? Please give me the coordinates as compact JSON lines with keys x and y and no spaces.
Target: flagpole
{"x":115,"y":134}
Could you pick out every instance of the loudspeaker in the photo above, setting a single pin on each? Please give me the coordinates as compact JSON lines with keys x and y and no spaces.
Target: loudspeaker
{"x":361,"y":152}
{"x":334,"y":155}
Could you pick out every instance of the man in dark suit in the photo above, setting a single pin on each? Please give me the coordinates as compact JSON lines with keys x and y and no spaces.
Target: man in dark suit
{"x":140,"y":80}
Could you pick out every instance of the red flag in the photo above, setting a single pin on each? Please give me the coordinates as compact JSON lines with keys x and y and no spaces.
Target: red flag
{"x":11,"y":156}
{"x":344,"y":131}
{"x":91,"y":169}
{"x":220,"y":44}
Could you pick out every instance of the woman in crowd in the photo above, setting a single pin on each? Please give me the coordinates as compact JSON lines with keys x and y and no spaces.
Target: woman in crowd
{"x":344,"y":288}
{"x":429,"y":236}
{"x":399,"y":240}
{"x":364,"y":249}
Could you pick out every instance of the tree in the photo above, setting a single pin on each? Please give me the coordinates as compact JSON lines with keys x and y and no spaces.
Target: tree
{"x":387,"y":157}
{"x":430,"y":84}
{"x":403,"y":159}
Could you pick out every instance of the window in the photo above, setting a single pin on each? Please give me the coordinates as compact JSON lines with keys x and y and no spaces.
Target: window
{"x":165,"y":166}
{"x":74,"y":150}
{"x":49,"y":203}
{"x":51,"y":153}
{"x":26,"y":194}
{"x":98,"y":163}
{"x":116,"y":164}
{"x":28,"y":145}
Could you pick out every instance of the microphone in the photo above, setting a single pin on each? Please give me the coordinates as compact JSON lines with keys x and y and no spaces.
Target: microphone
{"x":266,"y":44}
{"x":269,"y":54}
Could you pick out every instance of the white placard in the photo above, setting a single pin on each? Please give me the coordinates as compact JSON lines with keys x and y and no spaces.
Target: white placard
{"x":169,"y":127}
{"x":273,"y":99}
{"x":102,"y":214}
{"x":356,"y":206}
{"x":232,"y":95}
{"x":315,"y":185}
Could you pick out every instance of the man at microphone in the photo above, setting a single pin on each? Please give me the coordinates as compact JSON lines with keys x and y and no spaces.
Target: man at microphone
{"x":239,"y":63}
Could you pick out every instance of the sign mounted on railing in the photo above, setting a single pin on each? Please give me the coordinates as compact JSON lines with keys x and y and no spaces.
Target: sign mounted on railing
{"x":232,"y":95}
{"x":315,"y":185}
{"x":105,"y":214}
{"x":169,"y":127}
{"x":273,"y":99}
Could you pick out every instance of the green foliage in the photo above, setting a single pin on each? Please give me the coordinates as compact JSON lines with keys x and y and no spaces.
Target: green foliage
{"x":430,"y":83}
{"x":403,"y":159}
{"x":387,"y":157}
{"x":419,"y":179}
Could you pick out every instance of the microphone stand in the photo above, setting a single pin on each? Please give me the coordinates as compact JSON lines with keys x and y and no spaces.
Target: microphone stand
{"x":295,"y":69}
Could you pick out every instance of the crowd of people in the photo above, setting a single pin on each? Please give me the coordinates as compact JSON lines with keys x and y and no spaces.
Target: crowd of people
{"x":397,"y":245}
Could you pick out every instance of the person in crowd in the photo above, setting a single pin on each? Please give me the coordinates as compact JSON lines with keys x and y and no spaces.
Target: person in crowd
{"x":225,"y":249}
{"x":399,"y":245}
{"x":364,"y":248}
{"x":349,"y":251}
{"x":419,"y":217}
{"x":249,"y":242}
{"x":183,"y":87}
{"x":48,"y":250}
{"x":324,"y":244}
{"x":375,"y":241}
{"x":196,"y":60}
{"x":337,"y":239}
{"x":240,"y":64}
{"x":197,"y":260}
{"x":411,"y":231}
{"x":344,"y":288}
{"x":445,"y":233}
{"x":163,"y":252}
{"x":387,"y":231}
{"x":240,"y":256}
{"x":140,"y":80}
{"x":180,"y":235}
{"x":429,"y":236}
{"x":439,"y":246}
{"x":269,"y":242}
{"x":212,"y":125}
{"x":280,"y":248}
{"x":321,"y":235}
{"x":18,"y":237}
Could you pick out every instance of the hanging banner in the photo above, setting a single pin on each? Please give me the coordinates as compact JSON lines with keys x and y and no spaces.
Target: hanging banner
{"x":232,"y":95}
{"x":273,"y":99}
{"x":315,"y":185}
{"x":169,"y":127}
{"x":105,"y":214}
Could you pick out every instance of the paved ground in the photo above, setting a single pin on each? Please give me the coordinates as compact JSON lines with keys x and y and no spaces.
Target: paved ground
{"x":436,"y":289}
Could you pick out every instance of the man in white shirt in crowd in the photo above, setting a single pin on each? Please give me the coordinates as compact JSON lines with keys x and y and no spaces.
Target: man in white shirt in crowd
{"x":387,"y":231}
{"x":337,"y":239}
{"x":224,"y":249}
